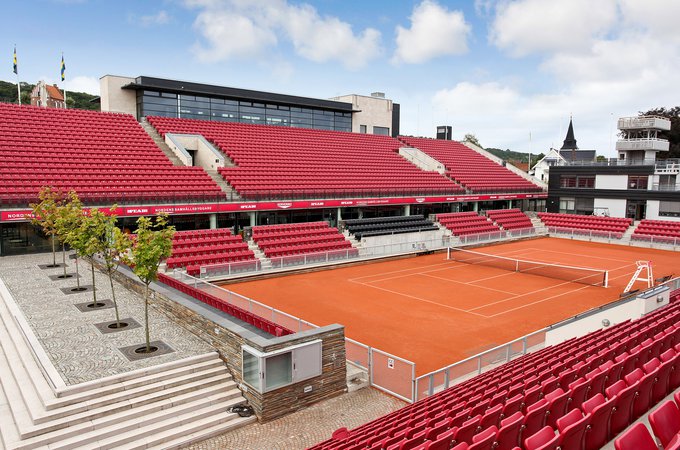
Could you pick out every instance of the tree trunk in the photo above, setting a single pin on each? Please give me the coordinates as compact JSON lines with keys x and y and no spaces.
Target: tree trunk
{"x":94,"y":289}
{"x":146,"y":318}
{"x":54,"y":254}
{"x":63,"y":257}
{"x":113,"y":299}
{"x":77,"y":273}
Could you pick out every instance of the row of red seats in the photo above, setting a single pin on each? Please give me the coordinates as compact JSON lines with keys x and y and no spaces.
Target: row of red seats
{"x":210,"y":258}
{"x":594,"y":223}
{"x":263,"y":230}
{"x":198,"y":241}
{"x":657,"y":228}
{"x":466,"y":223}
{"x":313,"y":239}
{"x":301,"y":249}
{"x":204,"y":233}
{"x":312,"y":233}
{"x":510,"y":219}
{"x":222,"y":305}
{"x":62,"y":139}
{"x":561,"y":387}
{"x":208,"y":249}
{"x":665,"y":423}
{"x":351,"y":154}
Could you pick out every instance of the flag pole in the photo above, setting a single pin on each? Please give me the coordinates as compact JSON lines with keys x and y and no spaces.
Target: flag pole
{"x":16,"y":72}
{"x":63,"y":76}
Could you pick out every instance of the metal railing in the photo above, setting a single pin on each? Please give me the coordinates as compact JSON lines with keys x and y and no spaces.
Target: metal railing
{"x":579,"y":233}
{"x":655,"y":241}
{"x":438,"y":380}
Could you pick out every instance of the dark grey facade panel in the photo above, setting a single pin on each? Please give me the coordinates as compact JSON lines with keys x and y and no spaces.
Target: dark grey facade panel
{"x":185,"y":87}
{"x":396,"y":113}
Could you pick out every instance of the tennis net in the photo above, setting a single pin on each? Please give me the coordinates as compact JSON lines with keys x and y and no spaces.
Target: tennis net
{"x":583,"y":275}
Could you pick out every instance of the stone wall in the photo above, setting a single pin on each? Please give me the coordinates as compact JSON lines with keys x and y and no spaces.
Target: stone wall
{"x":227,"y":335}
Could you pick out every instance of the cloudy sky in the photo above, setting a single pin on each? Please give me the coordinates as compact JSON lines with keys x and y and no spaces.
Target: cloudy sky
{"x":504,"y":70}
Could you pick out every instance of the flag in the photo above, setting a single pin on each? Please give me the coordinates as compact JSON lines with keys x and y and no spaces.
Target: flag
{"x":16,"y":70}
{"x":63,"y":69}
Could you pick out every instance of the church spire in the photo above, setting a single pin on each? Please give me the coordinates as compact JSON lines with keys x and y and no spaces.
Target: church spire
{"x":570,"y":140}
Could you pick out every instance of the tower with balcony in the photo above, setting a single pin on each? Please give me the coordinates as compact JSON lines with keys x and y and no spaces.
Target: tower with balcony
{"x":639,"y":139}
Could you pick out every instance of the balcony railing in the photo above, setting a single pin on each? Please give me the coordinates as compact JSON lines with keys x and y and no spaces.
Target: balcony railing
{"x":636,"y":123}
{"x":660,"y":145}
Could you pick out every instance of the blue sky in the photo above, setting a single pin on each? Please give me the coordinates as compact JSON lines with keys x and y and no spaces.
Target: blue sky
{"x":504,"y":70}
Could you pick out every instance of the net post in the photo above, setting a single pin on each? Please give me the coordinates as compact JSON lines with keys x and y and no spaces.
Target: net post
{"x":606,"y":278}
{"x":448,"y":253}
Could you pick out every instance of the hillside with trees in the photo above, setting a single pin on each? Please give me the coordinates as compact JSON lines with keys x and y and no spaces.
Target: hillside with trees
{"x":78,"y":100}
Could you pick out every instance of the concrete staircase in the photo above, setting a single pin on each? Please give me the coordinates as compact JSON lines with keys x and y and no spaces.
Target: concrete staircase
{"x":165,"y":406}
{"x":538,"y":225}
{"x":160,"y":142}
{"x":230,"y":192}
{"x":627,"y":236}
{"x":259,"y":254}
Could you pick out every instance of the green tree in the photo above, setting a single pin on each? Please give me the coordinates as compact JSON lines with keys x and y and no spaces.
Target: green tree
{"x":152,"y":244}
{"x":45,"y":213}
{"x":673,"y":136}
{"x":69,"y":217}
{"x":25,"y":97}
{"x":472,"y":139}
{"x":113,"y":245}
{"x":84,"y":239}
{"x":70,"y":103}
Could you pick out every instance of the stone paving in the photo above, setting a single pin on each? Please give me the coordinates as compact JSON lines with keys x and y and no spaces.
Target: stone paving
{"x":77,"y":349}
{"x":309,"y":426}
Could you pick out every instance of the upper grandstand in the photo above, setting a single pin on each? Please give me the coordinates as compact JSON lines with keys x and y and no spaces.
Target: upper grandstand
{"x":287,"y":163}
{"x":106,"y":158}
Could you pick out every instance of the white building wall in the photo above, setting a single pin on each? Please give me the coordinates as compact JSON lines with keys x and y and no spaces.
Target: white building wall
{"x":617,"y":207}
{"x":611,"y":181}
{"x":652,"y":212}
{"x":373,"y":112}
{"x":115,"y":99}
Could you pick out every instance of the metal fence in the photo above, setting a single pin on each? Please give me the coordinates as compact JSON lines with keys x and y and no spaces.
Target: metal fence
{"x":656,"y":241}
{"x":585,"y":234}
{"x":500,"y":235}
{"x":321,"y":258}
{"x":434,"y":382}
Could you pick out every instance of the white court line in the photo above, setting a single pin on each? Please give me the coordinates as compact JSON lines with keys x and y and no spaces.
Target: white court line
{"x":421,"y":299}
{"x":546,"y":299}
{"x":469,"y":283}
{"x":586,"y":256}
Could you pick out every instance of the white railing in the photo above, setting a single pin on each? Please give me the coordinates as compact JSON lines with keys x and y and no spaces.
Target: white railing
{"x":438,"y":380}
{"x":578,"y":233}
{"x":500,"y":235}
{"x":655,"y":241}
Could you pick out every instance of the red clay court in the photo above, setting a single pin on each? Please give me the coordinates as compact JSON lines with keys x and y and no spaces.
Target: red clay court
{"x":434,"y":312}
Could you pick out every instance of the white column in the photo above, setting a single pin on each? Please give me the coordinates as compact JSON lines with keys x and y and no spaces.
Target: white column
{"x":407,"y":210}
{"x":213,"y":221}
{"x":339,"y":215}
{"x":251,"y":215}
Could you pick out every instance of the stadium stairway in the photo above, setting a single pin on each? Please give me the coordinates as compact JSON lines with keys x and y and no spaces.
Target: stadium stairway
{"x":259,"y":254}
{"x":230,"y":192}
{"x":538,"y":224}
{"x":165,"y":406}
{"x":160,"y":142}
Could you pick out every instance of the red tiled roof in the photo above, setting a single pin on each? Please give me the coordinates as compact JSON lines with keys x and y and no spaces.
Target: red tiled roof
{"x":54,"y":93}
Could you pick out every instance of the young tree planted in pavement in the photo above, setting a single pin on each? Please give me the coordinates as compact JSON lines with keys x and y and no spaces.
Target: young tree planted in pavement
{"x":150,"y":247}
{"x":84,"y":240}
{"x":68,"y":219}
{"x":113,"y":246}
{"x":44,"y":215}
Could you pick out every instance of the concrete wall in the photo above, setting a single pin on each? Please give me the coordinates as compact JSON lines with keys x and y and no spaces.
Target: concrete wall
{"x":422,"y":159}
{"x":633,"y":309}
{"x":227,"y":335}
{"x":611,"y":181}
{"x":206,"y":155}
{"x":617,"y":207}
{"x":115,"y":99}
{"x":373,"y":111}
{"x":402,"y":241}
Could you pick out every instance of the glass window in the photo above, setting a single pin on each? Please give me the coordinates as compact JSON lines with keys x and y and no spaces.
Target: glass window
{"x":152,"y":93}
{"x":669,"y":209}
{"x":567,"y":205}
{"x":584,"y":205}
{"x":383,"y":131}
{"x":637,"y":182}
{"x":586,"y":182}
{"x":279,"y":370}
{"x":251,"y":370}
{"x":168,"y":95}
{"x":362,"y":129}
{"x":567,"y":181}
{"x":187,"y":97}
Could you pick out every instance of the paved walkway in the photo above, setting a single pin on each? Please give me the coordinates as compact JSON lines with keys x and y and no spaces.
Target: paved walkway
{"x":309,"y":426}
{"x":78,"y":350}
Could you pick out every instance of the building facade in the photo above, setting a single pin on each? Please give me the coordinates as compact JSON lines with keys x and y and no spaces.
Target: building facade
{"x":47,"y":96}
{"x":637,"y":184}
{"x":373,"y":114}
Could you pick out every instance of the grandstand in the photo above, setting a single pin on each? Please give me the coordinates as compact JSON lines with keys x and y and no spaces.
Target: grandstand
{"x":107,"y":158}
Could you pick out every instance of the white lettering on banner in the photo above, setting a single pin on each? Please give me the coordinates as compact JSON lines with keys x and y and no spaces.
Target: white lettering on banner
{"x":284,"y":205}
{"x":347,"y":203}
{"x":316,"y":204}
{"x":420,"y":200}
{"x":15,"y":216}
{"x":137,"y":210}
{"x":248,"y":206}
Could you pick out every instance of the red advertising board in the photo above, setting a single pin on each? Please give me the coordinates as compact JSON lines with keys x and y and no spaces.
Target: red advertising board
{"x":208,"y":208}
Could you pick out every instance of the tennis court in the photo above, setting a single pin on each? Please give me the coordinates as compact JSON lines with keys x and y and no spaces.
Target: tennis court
{"x":435,"y":311}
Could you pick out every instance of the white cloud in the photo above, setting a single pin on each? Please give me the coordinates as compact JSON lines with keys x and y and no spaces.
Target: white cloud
{"x":435,"y":31}
{"x":160,"y":18}
{"x":523,"y":27}
{"x":248,"y":29}
{"x":82,"y":83}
